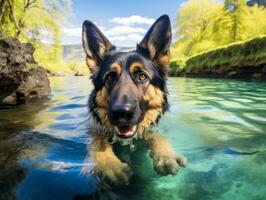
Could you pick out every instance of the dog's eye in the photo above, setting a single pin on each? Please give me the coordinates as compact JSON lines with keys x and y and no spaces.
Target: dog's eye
{"x":142,"y":77}
{"x":110,"y":77}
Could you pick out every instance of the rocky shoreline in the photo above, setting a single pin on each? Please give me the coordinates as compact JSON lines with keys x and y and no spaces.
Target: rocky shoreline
{"x":257,"y":73}
{"x":21,"y":78}
{"x":242,"y":60}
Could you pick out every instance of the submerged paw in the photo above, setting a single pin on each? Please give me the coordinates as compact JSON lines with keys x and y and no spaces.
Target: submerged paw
{"x":169,"y":165}
{"x":117,"y":174}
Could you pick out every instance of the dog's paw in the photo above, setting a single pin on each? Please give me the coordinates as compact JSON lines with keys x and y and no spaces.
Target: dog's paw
{"x":115,"y":172}
{"x":165,"y":165}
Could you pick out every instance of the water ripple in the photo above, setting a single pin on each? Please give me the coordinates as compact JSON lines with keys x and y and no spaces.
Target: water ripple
{"x":220,"y":125}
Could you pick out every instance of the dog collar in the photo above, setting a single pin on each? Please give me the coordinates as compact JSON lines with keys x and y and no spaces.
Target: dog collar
{"x":113,"y":138}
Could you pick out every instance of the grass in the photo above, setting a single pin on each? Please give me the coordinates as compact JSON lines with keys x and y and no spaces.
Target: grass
{"x":248,"y":53}
{"x":176,"y":66}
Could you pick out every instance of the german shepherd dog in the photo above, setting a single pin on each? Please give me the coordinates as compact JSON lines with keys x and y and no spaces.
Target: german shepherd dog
{"x":128,"y":99}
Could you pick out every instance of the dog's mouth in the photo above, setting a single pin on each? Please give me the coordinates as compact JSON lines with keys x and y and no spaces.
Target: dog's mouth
{"x":125,"y":131}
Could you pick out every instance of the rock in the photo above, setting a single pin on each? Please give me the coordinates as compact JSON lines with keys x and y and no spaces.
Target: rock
{"x":257,"y":76}
{"x":264,"y":70}
{"x":231,"y":74}
{"x":79,"y":74}
{"x":21,"y":78}
{"x":60,"y":74}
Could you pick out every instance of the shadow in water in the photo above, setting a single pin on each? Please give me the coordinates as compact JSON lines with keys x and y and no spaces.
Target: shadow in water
{"x":13,"y":122}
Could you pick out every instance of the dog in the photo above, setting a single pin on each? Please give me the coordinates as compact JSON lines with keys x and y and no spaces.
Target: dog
{"x":128,"y":99}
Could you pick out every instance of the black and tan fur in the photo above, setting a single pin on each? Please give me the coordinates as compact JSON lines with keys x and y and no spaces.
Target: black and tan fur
{"x":129,"y":91}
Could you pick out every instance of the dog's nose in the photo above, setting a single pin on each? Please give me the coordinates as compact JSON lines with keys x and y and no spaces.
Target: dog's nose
{"x":122,"y":112}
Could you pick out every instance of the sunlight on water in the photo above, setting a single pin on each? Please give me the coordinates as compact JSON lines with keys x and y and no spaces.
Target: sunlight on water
{"x":220,"y":125}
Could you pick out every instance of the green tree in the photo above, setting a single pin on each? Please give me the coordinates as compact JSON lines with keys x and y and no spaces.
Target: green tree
{"x":203,"y":25}
{"x":237,"y":10}
{"x":3,"y":4}
{"x":30,"y":20}
{"x":231,"y":22}
{"x":257,"y":22}
{"x":257,"y":2}
{"x":194,"y":26}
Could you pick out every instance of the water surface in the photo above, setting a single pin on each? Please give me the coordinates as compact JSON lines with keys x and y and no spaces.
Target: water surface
{"x":220,"y":125}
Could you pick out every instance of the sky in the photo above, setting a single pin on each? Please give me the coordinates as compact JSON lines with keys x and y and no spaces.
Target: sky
{"x":124,"y":22}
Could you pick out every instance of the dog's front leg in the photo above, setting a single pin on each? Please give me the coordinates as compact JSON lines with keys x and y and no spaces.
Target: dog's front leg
{"x":106,"y":163}
{"x":164,"y":158}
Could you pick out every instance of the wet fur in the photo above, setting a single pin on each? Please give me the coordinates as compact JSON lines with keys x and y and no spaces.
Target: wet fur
{"x":156,"y":107}
{"x":152,"y":55}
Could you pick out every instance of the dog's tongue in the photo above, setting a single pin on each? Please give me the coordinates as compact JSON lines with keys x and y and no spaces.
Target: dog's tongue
{"x":126,"y":131}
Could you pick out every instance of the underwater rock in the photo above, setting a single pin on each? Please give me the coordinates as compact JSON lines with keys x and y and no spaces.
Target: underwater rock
{"x":21,"y":77}
{"x":264,"y":69}
{"x":231,"y":74}
{"x":79,"y":74}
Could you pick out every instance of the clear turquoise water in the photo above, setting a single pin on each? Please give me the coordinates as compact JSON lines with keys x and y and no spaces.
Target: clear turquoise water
{"x":220,"y":125}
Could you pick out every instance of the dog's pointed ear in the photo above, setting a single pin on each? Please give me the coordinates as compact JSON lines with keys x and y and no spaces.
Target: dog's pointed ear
{"x":156,"y":43}
{"x":95,"y":44}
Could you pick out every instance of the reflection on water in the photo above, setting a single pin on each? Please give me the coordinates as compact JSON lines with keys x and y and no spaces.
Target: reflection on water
{"x":220,"y":125}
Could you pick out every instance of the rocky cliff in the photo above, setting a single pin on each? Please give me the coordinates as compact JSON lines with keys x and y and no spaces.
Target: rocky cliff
{"x":21,"y":78}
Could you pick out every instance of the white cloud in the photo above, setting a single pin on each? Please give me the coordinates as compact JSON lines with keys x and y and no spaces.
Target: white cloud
{"x":125,"y":35}
{"x":123,"y":30}
{"x":133,"y":19}
{"x":76,"y":32}
{"x":135,"y":37}
{"x":115,"y":31}
{"x":130,"y":38}
{"x":118,"y":35}
{"x":127,"y":40}
{"x":127,"y":32}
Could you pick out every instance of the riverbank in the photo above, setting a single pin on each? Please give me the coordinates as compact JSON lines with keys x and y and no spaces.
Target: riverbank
{"x":243,"y":60}
{"x":21,"y":77}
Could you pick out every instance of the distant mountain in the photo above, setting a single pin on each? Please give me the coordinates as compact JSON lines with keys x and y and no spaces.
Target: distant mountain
{"x":75,"y":52}
{"x":259,"y":2}
{"x":125,"y":49}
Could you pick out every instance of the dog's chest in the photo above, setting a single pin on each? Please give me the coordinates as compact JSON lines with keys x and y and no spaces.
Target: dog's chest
{"x":125,"y":154}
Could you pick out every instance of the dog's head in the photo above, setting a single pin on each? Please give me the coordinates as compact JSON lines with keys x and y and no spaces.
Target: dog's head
{"x":129,"y":87}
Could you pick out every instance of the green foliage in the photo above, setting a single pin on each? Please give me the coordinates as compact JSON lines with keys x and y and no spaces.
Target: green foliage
{"x":67,"y":68}
{"x":249,"y":53}
{"x":257,"y":22}
{"x":78,"y":67}
{"x":31,"y":20}
{"x":176,"y":66}
{"x":258,"y":2}
{"x":207,"y":24}
{"x":236,"y":12}
{"x":194,"y":25}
